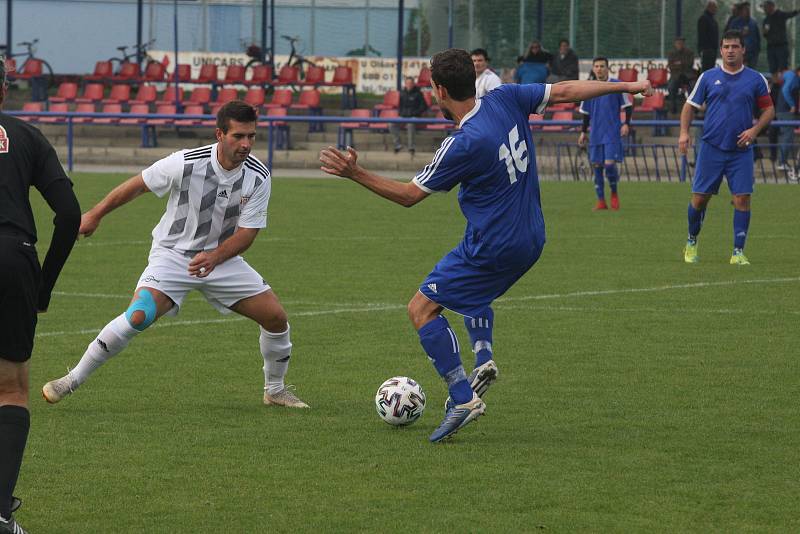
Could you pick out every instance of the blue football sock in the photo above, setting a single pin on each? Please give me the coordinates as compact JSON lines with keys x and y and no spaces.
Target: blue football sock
{"x":441,"y":345}
{"x":613,"y":176}
{"x":480,"y":334}
{"x":598,"y":183}
{"x":695,"y":221}
{"x":741,"y":223}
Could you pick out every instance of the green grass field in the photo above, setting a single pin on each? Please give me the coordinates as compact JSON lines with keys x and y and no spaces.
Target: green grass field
{"x":636,"y":393}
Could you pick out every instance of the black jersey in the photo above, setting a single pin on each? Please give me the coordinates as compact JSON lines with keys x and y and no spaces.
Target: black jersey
{"x":26,"y":159}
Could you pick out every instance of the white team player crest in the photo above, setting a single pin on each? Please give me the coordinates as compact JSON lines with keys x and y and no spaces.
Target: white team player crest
{"x":4,"y":141}
{"x":432,"y":287}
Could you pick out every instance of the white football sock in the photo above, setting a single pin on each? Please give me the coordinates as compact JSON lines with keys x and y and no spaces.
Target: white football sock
{"x":112,"y":339}
{"x":276,"y":348}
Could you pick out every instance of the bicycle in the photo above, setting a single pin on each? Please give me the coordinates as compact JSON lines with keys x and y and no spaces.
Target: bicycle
{"x":39,"y":92}
{"x":138,"y":51}
{"x":296,"y":59}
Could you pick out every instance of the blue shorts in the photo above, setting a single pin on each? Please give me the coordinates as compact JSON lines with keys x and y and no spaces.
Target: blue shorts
{"x":712,"y":163}
{"x":467,"y":287}
{"x":608,"y":152}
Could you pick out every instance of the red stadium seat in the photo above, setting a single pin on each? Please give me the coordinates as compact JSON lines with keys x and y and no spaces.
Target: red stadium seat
{"x":262,"y":75}
{"x":281,"y":98}
{"x":281,"y":127}
{"x":92,"y":92}
{"x":84,"y":108}
{"x":155,"y":72}
{"x":385,"y":114}
{"x":628,"y":75}
{"x":145,"y":95}
{"x":31,"y":69}
{"x":56,"y":108}
{"x":424,"y":78}
{"x":391,"y":100}
{"x":168,"y":98}
{"x":103,"y":70}
{"x":208,"y":74}
{"x":193,"y":109}
{"x":109,"y":108}
{"x":200,"y":96}
{"x":342,"y":76}
{"x":67,"y":92}
{"x":314,"y":75}
{"x":657,"y":77}
{"x":128,"y":72}
{"x":163,"y":109}
{"x":655,"y":102}
{"x":559,"y":116}
{"x":307,"y":100}
{"x":184,"y":73}
{"x":561,"y":106}
{"x":255,"y":96}
{"x":31,"y":106}
{"x":225,"y":95}
{"x":120,"y":94}
{"x":357,"y":113}
{"x":440,"y":127}
{"x":136,"y":109}
{"x":535,"y":117}
{"x":288,"y":75}
{"x":234,"y":74}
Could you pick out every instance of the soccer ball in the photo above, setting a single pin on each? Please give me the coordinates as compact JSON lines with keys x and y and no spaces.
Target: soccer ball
{"x":400,"y":401}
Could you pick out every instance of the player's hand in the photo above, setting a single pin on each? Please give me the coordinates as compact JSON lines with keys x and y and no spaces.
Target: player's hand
{"x":337,"y":163}
{"x":582,"y":139}
{"x":684,"y":142}
{"x":202,"y":264}
{"x":89,"y":224}
{"x":746,"y":138}
{"x":624,"y":130}
{"x":644,"y":88}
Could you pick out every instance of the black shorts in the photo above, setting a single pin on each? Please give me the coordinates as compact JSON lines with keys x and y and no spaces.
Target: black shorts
{"x":20,"y":276}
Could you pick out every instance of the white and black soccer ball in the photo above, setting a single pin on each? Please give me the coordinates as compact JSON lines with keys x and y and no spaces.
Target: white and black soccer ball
{"x":400,"y":401}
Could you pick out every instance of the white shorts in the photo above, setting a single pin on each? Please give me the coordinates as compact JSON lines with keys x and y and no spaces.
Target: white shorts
{"x":231,"y":281}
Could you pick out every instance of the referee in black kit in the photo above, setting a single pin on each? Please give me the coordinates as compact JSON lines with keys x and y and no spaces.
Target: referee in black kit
{"x":26,"y":159}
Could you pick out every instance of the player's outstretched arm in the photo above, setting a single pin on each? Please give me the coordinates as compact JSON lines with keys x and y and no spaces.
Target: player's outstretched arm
{"x":122,"y":194}
{"x":346,"y":165}
{"x":577,"y":90}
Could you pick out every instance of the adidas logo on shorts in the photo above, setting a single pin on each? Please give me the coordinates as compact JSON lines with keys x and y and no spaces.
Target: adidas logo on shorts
{"x":432,"y":287}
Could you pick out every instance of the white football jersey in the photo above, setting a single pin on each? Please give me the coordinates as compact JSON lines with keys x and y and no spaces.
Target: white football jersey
{"x":486,"y":82}
{"x":206,"y":202}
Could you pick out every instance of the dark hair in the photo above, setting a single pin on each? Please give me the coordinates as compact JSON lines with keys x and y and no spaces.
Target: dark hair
{"x":600,"y":58}
{"x":480,"y":52}
{"x":453,"y":70}
{"x":236,"y":110}
{"x":730,"y":35}
{"x":563,"y":41}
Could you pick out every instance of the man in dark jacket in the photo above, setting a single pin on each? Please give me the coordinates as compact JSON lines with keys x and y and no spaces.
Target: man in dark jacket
{"x":708,"y":36}
{"x":680,"y":61}
{"x":412,"y":104}
{"x":775,"y":34}
{"x":564,"y":65}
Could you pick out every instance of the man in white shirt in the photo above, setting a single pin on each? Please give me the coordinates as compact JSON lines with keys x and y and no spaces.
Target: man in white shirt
{"x":485,"y":79}
{"x":218,"y":197}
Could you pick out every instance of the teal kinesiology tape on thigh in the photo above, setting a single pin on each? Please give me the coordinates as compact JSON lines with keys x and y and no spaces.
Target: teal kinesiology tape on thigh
{"x":145,"y":304}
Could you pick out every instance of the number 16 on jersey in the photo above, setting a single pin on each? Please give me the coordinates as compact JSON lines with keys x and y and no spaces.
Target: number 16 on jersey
{"x":516,"y":157}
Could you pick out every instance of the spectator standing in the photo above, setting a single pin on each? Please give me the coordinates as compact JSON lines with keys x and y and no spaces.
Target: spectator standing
{"x":533,"y":68}
{"x":412,"y":104}
{"x":564,"y":65}
{"x":680,"y":61}
{"x":485,"y":79}
{"x":752,"y":37}
{"x":786,"y":108}
{"x":775,"y":35}
{"x":735,"y":9}
{"x":708,"y":36}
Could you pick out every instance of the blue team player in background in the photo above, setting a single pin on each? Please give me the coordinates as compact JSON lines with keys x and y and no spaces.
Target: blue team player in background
{"x":491,"y":156}
{"x":605,"y":136}
{"x":730,"y":93}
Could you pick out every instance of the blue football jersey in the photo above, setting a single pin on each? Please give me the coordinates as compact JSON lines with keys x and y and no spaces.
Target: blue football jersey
{"x":604,"y":116}
{"x":492,"y":156}
{"x":730,"y":100}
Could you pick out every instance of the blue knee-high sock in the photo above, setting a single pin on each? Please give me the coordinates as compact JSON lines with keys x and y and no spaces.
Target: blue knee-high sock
{"x":480,"y":334}
{"x":741,"y":223}
{"x":613,"y":176}
{"x":598,"y":183}
{"x":695,"y":221}
{"x":441,"y":345}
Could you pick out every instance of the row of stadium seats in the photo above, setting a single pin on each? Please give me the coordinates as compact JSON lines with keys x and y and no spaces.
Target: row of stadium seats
{"x":94,"y":93}
{"x":260,"y":75}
